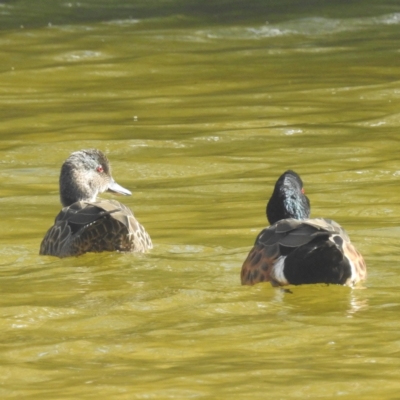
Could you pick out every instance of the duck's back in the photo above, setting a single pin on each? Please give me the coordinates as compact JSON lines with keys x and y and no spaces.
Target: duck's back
{"x":303,"y":251}
{"x":95,"y":227}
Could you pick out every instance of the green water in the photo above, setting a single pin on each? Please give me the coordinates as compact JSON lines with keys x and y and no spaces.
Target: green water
{"x":199,"y":106}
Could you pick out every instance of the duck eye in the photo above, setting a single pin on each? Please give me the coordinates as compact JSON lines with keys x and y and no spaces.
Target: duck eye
{"x":100,"y":169}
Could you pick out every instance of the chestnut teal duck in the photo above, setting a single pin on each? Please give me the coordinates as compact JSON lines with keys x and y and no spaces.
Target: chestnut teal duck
{"x":297,"y":249}
{"x":86,"y":224}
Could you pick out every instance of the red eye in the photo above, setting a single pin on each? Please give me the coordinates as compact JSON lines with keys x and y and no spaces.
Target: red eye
{"x":302,"y":190}
{"x":100,"y":169}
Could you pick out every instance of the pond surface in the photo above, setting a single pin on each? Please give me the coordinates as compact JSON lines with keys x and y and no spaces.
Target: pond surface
{"x":200,"y":107}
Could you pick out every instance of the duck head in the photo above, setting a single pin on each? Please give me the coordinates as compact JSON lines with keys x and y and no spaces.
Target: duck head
{"x":288,"y":199}
{"x":84,"y":175}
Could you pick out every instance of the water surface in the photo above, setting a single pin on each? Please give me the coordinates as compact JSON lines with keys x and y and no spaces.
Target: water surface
{"x":199,"y":108}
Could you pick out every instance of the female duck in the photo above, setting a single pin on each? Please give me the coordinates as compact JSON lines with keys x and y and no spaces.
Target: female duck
{"x":85,"y":224}
{"x":297,"y":250}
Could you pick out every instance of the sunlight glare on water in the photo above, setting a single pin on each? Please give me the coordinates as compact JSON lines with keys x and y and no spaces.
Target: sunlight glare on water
{"x":199,"y":111}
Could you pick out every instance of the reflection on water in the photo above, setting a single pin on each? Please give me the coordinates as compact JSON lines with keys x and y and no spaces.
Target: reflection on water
{"x":199,"y":110}
{"x":356,"y":304}
{"x":313,"y":26}
{"x":295,"y":299}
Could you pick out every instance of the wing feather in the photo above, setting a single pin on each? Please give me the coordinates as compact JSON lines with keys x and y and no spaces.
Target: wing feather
{"x":95,"y":227}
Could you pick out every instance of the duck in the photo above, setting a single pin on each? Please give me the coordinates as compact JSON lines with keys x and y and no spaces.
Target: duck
{"x":86,"y":224}
{"x":296,"y":249}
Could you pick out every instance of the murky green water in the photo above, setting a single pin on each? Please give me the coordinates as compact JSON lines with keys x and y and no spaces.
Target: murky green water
{"x":200,"y":107}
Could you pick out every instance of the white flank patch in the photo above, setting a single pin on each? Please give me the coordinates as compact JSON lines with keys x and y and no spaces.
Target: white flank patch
{"x":353,"y":277}
{"x":277,"y":271}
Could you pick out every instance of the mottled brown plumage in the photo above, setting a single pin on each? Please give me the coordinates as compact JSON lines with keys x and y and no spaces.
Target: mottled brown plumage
{"x":85,"y":224}
{"x":296,"y":249}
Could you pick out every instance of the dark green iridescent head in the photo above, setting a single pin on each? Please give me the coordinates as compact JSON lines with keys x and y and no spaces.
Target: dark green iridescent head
{"x":288,"y":199}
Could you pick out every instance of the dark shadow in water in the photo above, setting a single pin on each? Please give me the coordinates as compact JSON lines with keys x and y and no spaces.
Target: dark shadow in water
{"x":25,"y":13}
